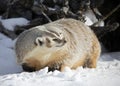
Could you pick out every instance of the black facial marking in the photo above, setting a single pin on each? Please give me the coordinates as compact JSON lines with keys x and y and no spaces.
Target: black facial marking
{"x":40,"y":42}
{"x":57,"y":40}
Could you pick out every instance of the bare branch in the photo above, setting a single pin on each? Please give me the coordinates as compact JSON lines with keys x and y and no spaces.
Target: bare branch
{"x":108,"y":15}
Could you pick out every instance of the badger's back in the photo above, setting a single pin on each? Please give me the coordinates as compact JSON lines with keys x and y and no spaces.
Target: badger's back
{"x":78,"y":35}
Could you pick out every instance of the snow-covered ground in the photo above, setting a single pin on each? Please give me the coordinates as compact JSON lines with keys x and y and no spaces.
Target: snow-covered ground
{"x":11,"y":73}
{"x":12,"y":22}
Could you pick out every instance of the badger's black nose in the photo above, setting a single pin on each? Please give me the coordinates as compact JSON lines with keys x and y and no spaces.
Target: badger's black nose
{"x":27,"y":68}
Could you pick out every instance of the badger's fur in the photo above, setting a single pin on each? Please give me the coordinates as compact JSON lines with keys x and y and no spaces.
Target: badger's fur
{"x":65,"y":42}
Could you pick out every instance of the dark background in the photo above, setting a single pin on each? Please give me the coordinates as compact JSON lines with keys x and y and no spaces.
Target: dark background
{"x":112,"y":39}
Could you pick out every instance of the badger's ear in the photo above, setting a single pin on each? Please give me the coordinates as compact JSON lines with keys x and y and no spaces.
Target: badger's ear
{"x":39,"y":41}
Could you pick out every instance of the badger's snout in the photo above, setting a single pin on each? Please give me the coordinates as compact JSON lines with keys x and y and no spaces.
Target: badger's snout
{"x":27,"y":68}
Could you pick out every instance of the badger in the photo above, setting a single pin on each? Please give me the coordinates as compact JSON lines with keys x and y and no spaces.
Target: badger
{"x":61,"y":43}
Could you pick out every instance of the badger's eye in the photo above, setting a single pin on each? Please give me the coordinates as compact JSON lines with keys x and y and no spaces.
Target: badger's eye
{"x":57,"y":40}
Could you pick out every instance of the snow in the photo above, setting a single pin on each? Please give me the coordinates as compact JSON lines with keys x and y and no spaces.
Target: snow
{"x":88,"y":21}
{"x":7,"y":56}
{"x":107,"y":73}
{"x":91,"y":19}
{"x":12,"y":22}
{"x":11,"y":73}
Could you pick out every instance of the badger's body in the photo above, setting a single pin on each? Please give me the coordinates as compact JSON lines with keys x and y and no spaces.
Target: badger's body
{"x":65,"y":42}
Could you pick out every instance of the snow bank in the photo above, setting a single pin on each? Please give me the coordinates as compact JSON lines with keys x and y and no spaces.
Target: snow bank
{"x":7,"y":56}
{"x":12,"y":22}
{"x":7,"y":61}
{"x":107,"y":73}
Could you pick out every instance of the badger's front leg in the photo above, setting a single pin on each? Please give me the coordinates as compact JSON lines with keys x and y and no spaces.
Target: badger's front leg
{"x":54,"y":66}
{"x":60,"y":67}
{"x":57,"y":66}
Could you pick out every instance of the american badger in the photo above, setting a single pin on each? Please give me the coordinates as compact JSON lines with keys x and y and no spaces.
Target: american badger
{"x":65,"y":42}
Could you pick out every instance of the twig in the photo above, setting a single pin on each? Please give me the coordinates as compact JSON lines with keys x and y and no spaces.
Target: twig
{"x":46,"y":16}
{"x":108,"y":15}
{"x":44,"y":12}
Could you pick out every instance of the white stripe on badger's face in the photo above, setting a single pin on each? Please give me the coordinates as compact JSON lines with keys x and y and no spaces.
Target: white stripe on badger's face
{"x":50,"y":37}
{"x":56,"y":32}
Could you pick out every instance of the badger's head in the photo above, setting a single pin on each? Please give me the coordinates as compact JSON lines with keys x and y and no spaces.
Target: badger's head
{"x":50,"y":40}
{"x":43,"y":42}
